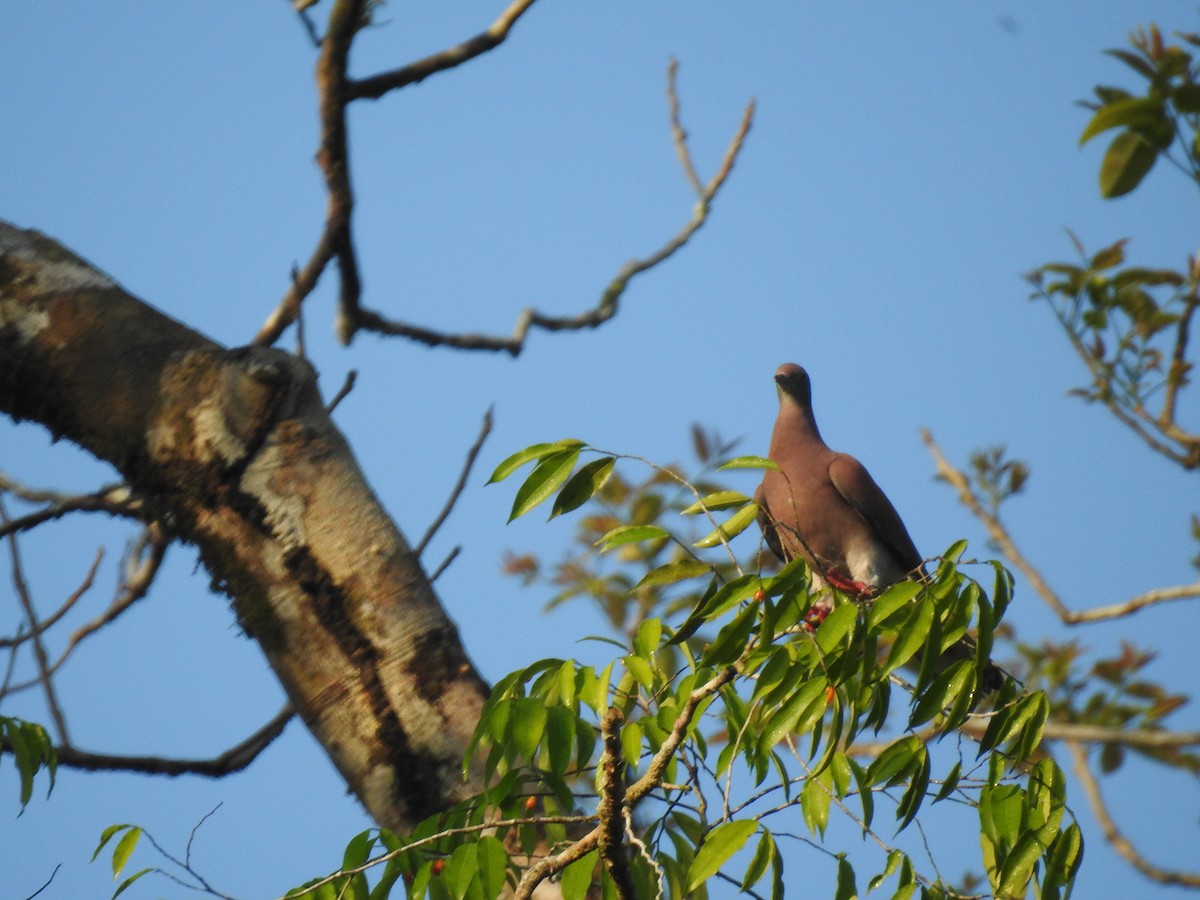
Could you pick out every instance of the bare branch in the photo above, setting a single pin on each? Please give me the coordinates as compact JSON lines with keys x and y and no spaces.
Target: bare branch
{"x":606,"y":308}
{"x":611,"y":808}
{"x":958,"y":480}
{"x":39,"y":649}
{"x":333,"y":158}
{"x":678,"y":133}
{"x":1141,"y":738}
{"x":142,"y":564}
{"x":47,"y":623}
{"x":1113,"y":835}
{"x":232,"y":760}
{"x":450,"y":557}
{"x":346,"y":388}
{"x":114,"y":499}
{"x":484,"y":431}
{"x":441,"y":835}
{"x":376,"y":86}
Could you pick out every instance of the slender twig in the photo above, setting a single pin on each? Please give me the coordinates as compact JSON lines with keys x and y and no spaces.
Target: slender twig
{"x":607,"y":306}
{"x":679,"y":133}
{"x":47,"y":884}
{"x":300,"y":349}
{"x":1113,"y":834}
{"x":1008,"y":548}
{"x":484,"y":430}
{"x":376,"y":86}
{"x":450,"y":557}
{"x":49,"y":622}
{"x":345,"y":389}
{"x":232,"y":760}
{"x":114,"y":499}
{"x":140,"y":571}
{"x":39,"y":649}
{"x":442,"y":835}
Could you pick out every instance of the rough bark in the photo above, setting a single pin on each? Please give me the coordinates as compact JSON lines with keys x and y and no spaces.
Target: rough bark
{"x":233,"y":451}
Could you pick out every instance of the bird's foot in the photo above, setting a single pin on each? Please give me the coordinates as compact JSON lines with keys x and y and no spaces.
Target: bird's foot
{"x":849,"y":586}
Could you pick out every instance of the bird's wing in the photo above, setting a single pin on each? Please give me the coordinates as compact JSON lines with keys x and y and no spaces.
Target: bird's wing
{"x":768,"y":525}
{"x":859,"y":489}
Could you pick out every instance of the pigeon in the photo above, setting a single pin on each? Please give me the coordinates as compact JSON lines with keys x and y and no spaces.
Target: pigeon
{"x":824,"y":506}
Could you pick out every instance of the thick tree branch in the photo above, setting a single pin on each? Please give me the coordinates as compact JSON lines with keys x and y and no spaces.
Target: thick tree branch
{"x":235,"y":449}
{"x":958,"y":480}
{"x":1113,"y":835}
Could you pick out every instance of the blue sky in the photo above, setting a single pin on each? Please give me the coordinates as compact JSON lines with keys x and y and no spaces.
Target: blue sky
{"x":908,"y":162}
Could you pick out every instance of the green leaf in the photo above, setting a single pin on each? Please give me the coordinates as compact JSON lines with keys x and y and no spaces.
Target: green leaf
{"x":560,"y":738}
{"x":645,"y":643}
{"x":582,"y":485}
{"x":577,"y":877}
{"x":358,"y":849}
{"x":949,"y":783}
{"x":106,"y":836}
{"x":942,"y":692}
{"x":631,"y":534}
{"x":631,"y":742}
{"x":912,"y":636}
{"x":1018,"y":865}
{"x":128,"y":881}
{"x":731,"y":640}
{"x":863,"y":780}
{"x":914,"y":794}
{"x":763,"y":854}
{"x":814,"y":803}
{"x":893,"y":762}
{"x":1129,"y":158}
{"x":785,"y":719}
{"x":642,"y":671}
{"x":543,"y":481}
{"x":847,"y":888}
{"x":730,"y":528}
{"x":535,"y":451}
{"x":1186,"y":98}
{"x":461,"y":869}
{"x":721,"y":601}
{"x":749,"y":462}
{"x":898,"y":595}
{"x":836,"y":626}
{"x":124,"y":849}
{"x":1130,"y":112}
{"x":672,"y":572}
{"x":493,"y":863}
{"x":715,"y":501}
{"x":528,"y":723}
{"x":893,"y":860}
{"x":720,"y":844}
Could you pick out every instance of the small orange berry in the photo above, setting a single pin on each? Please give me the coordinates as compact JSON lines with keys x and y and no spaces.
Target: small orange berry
{"x":438,"y":865}
{"x":530,"y":803}
{"x":760,"y":595}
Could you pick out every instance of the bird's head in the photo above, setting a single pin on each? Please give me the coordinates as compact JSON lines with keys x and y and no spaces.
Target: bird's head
{"x":792,"y":383}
